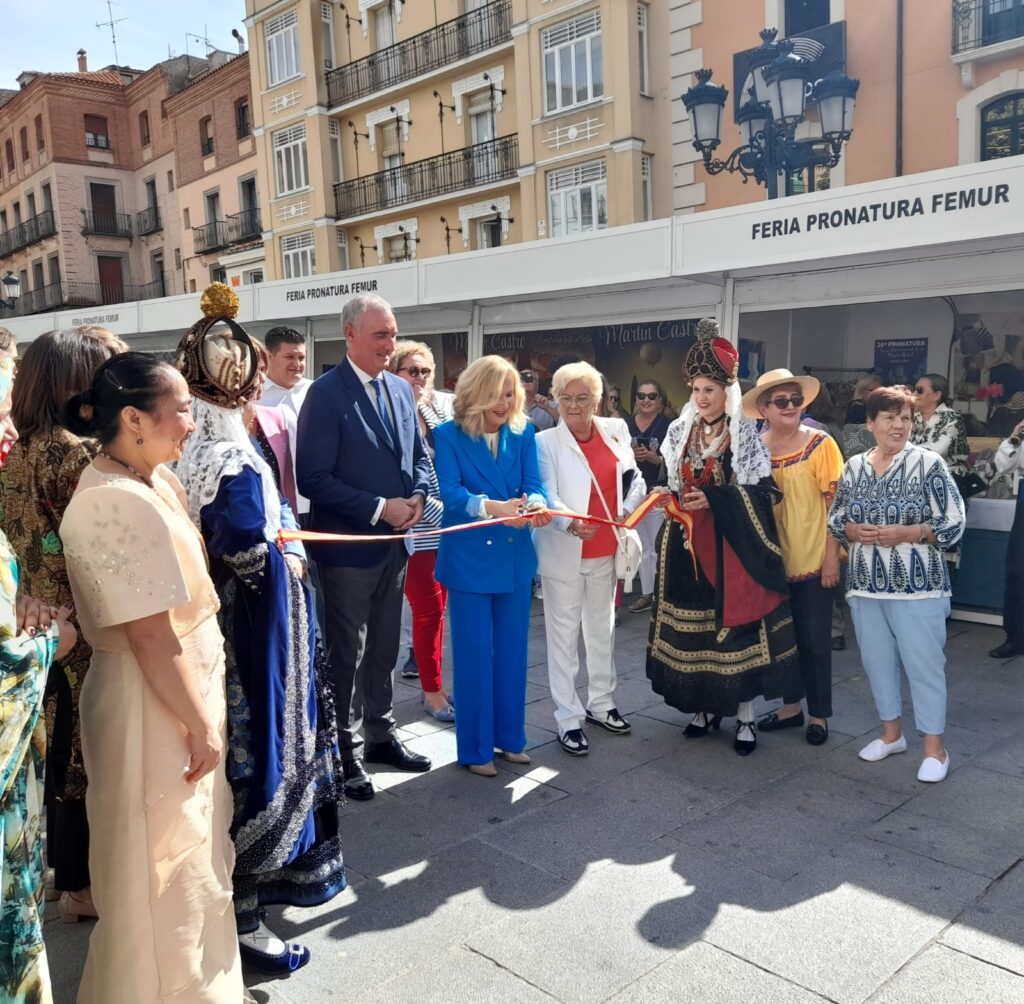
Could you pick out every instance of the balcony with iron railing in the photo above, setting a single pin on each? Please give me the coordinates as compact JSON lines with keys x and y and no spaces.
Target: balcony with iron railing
{"x":210,"y":237}
{"x":81,"y":294}
{"x":28,"y":233}
{"x":438,"y":47}
{"x":106,"y":223}
{"x":148,"y":221}
{"x":480,"y":164}
{"x":244,"y":226}
{"x":978,"y":24}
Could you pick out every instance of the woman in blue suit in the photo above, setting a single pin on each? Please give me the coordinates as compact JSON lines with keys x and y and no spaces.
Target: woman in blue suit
{"x":486,"y":462}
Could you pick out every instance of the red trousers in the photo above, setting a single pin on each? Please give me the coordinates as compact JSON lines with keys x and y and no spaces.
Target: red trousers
{"x":427,"y":599}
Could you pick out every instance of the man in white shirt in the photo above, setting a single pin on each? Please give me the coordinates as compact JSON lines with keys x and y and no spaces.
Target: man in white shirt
{"x":286,"y":382}
{"x":285,"y":387}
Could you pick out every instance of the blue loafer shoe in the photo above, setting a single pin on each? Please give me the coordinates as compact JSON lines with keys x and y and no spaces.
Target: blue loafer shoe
{"x":294,"y":956}
{"x":445,"y":714}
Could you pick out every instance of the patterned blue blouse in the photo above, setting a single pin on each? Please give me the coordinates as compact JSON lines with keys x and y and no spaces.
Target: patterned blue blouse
{"x":917,"y":488}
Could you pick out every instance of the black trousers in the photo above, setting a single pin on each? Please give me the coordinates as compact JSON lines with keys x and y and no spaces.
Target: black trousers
{"x":363,"y":618}
{"x":67,"y":844}
{"x":1013,"y":599}
{"x":812,"y":620}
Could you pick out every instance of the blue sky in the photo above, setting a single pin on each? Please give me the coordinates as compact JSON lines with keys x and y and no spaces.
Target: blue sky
{"x":45,"y":34}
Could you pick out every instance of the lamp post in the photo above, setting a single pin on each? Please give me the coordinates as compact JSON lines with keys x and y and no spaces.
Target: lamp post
{"x":778,"y":100}
{"x":12,"y":290}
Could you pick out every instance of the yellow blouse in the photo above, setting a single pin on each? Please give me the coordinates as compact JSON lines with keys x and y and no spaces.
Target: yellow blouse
{"x":807,"y":479}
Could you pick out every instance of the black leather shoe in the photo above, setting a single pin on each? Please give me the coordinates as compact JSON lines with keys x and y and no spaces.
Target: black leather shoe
{"x":394,"y":754}
{"x":839,"y":643}
{"x":357,"y":782}
{"x":772,"y":722}
{"x":1007,"y":650}
{"x":817,"y":734}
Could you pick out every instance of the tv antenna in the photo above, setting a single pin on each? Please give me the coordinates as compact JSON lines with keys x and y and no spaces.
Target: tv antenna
{"x":110,"y":24}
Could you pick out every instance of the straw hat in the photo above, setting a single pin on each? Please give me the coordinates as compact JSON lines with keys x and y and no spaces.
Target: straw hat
{"x":809,"y":386}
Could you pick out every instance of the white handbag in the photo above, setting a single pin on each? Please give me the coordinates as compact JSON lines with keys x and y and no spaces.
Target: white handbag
{"x":629,"y":550}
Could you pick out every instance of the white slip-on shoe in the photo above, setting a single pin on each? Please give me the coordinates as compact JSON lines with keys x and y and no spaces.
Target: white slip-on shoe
{"x":879,"y":750}
{"x":933,"y":770}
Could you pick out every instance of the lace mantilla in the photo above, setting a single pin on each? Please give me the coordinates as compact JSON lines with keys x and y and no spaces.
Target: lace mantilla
{"x":750,"y":459}
{"x":218,"y":449}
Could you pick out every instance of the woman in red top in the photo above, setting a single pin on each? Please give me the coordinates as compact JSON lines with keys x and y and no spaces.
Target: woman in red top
{"x":587,"y":465}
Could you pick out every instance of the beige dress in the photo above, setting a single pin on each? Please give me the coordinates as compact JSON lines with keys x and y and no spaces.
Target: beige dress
{"x":160,"y":854}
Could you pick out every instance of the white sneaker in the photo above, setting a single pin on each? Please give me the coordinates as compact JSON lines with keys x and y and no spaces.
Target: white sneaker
{"x":879,"y":750}
{"x":933,"y":770}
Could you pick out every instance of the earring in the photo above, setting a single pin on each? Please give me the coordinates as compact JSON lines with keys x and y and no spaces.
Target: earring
{"x":138,"y":441}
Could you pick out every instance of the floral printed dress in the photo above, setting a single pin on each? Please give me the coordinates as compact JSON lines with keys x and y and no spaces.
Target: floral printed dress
{"x":24,"y":662}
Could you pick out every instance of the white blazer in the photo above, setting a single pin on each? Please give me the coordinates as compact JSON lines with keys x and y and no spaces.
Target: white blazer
{"x":567,"y":481}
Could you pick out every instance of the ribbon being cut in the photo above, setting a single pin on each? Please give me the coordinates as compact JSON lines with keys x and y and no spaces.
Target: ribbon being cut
{"x":628,"y":523}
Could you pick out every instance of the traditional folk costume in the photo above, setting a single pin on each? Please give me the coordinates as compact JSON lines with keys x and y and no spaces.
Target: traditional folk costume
{"x":282,"y":732}
{"x":24,"y":663}
{"x":721,"y":632}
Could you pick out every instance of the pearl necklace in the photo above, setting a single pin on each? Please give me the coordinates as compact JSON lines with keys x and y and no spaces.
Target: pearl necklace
{"x":127,"y":467}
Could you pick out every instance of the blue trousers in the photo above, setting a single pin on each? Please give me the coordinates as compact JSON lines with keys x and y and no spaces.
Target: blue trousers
{"x":911,"y":632}
{"x":489,"y":633}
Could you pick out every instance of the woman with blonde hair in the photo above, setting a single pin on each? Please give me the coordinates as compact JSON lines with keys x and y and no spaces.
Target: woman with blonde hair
{"x":586,"y":463}
{"x":486,"y":462}
{"x":414,"y":363}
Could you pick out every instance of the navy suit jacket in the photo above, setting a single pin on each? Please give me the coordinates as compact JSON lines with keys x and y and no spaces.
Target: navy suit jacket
{"x":347,"y":462}
{"x":494,"y":558}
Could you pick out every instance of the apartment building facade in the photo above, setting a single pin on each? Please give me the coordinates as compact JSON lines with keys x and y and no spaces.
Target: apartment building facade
{"x":218,"y":188}
{"x":941,"y":84}
{"x":391,"y":131}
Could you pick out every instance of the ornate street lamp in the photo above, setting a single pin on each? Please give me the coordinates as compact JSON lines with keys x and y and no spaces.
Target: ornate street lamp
{"x":12,"y":290}
{"x":777,"y":104}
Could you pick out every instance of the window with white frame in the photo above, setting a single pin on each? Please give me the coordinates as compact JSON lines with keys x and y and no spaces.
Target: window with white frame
{"x":646,"y":194}
{"x":282,"y":38}
{"x":343,"y":250}
{"x":398,"y":248}
{"x":297,"y":255}
{"x":578,"y":199}
{"x":327,"y":34}
{"x":290,"y":164}
{"x":336,"y":161}
{"x":643,"y":42}
{"x":573,"y":62}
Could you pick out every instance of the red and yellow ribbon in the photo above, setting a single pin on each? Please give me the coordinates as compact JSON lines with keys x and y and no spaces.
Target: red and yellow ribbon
{"x":316,"y":536}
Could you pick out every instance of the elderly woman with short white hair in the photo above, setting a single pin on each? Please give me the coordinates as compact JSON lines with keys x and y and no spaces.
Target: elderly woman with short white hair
{"x":587,"y":466}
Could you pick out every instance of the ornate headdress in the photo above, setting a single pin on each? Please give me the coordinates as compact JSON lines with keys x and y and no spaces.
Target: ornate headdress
{"x":220,"y":365}
{"x":711,"y":356}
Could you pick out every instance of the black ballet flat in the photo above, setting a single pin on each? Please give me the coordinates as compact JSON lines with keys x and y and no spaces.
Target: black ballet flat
{"x":744,"y":747}
{"x":695,"y":731}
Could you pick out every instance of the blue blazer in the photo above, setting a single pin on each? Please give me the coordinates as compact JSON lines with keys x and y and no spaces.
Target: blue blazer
{"x":346,"y":461}
{"x":494,"y":558}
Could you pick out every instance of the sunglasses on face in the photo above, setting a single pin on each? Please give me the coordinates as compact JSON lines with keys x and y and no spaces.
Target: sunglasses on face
{"x":920,"y":390}
{"x":416,"y":371}
{"x":787,"y":402}
{"x":643,"y":396}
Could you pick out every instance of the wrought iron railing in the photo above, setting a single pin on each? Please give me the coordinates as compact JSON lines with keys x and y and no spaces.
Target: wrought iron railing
{"x":481,"y":164}
{"x":464,"y":36}
{"x":148,"y":221}
{"x":28,"y":233}
{"x":107,"y":223}
{"x":210,"y":237}
{"x":35,"y":301}
{"x":81,"y":294}
{"x":244,"y":226}
{"x":978,"y":23}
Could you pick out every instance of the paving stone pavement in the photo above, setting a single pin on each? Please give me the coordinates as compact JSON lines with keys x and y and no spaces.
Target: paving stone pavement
{"x":663,"y":869}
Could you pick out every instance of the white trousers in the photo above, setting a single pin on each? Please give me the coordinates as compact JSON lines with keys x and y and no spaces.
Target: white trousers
{"x":648,"y":529}
{"x":588,"y":601}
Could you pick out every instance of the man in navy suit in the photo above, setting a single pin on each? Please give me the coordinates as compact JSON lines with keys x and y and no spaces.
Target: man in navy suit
{"x":363,"y":466}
